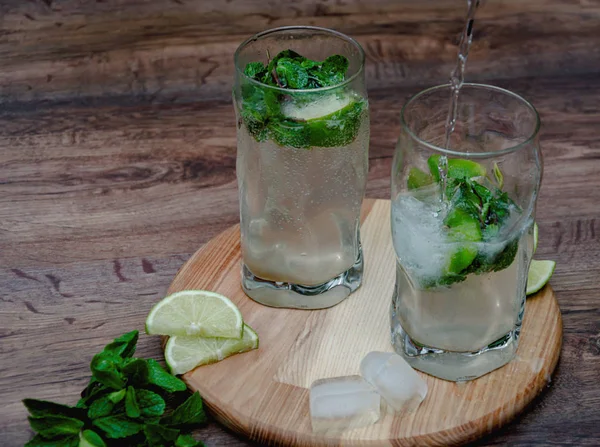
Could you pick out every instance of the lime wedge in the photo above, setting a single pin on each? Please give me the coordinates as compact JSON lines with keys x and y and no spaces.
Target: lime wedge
{"x":183,"y":354}
{"x":195,"y":313}
{"x":539,"y":274}
{"x":535,"y":236}
{"x":457,"y":168}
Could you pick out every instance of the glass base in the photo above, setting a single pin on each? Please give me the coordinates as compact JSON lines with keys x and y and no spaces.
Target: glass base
{"x":455,"y":366}
{"x":297,"y":296}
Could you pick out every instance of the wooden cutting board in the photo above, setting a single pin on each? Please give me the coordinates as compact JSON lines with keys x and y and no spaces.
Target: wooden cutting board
{"x":264,"y":394}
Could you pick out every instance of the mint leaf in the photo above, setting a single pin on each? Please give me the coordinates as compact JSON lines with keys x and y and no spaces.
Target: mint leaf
{"x":291,"y":74}
{"x":117,"y":427}
{"x":101,"y":407}
{"x":117,"y":396}
{"x":332,"y":71}
{"x":41,"y":408}
{"x":136,"y":371}
{"x":92,"y":391}
{"x":131,"y":405}
{"x":161,"y":378}
{"x":89,"y":438}
{"x":158,"y":436}
{"x":51,"y":426}
{"x":187,"y":441}
{"x":123,"y":346}
{"x":255,"y":70}
{"x":150,"y":403}
{"x":269,"y":77}
{"x":64,"y":441}
{"x":105,"y":369}
{"x":188,"y":413}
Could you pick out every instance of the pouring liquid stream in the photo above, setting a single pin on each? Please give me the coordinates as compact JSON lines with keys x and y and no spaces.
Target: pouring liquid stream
{"x":457,"y":78}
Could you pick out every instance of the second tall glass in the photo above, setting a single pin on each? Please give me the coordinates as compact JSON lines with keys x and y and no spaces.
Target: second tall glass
{"x":302,"y":163}
{"x":462,"y":219}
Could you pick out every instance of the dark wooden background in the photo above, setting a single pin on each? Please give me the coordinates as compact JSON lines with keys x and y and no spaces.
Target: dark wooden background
{"x":117,"y":161}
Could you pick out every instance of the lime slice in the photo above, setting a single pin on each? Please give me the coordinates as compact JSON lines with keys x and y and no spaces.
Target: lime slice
{"x":195,"y":313}
{"x":418,"y":179}
{"x":462,"y":228}
{"x":326,"y":121}
{"x":457,"y":168}
{"x":321,"y":107}
{"x":539,"y":274}
{"x":183,"y":354}
{"x":535,"y":236}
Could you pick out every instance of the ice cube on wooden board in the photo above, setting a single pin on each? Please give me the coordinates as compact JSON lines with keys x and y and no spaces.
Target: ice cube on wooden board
{"x":394,"y":379}
{"x":343,"y":403}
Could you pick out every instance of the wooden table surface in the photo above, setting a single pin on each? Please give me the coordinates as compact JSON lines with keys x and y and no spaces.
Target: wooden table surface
{"x":117,"y":161}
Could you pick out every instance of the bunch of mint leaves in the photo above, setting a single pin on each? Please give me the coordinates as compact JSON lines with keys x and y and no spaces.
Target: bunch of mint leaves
{"x":490,"y":208}
{"x":124,"y":404}
{"x":261,"y":106}
{"x":476,"y":214}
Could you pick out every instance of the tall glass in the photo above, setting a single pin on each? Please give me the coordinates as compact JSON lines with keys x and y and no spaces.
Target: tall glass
{"x":462,"y":227}
{"x":301,"y":174}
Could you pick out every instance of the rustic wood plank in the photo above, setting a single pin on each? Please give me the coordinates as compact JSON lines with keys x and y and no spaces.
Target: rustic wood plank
{"x":139,"y":167}
{"x":177,"y":51}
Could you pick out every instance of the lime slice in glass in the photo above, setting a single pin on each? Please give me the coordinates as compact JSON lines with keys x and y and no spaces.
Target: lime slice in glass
{"x":418,"y":179}
{"x":535,"y":236}
{"x":195,"y":313}
{"x":539,"y":274}
{"x":457,"y":168}
{"x":462,"y":228}
{"x":319,"y":121}
{"x":183,"y":354}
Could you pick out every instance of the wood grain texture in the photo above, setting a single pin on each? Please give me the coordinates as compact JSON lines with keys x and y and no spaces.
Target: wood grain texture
{"x":265,"y":393}
{"x":117,"y":162}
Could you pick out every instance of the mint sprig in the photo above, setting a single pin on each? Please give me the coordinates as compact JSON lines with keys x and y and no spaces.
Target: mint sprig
{"x":476,"y":214}
{"x":125,"y":403}
{"x":261,"y":107}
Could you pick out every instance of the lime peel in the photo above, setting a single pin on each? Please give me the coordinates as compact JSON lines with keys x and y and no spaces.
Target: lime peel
{"x":539,"y":274}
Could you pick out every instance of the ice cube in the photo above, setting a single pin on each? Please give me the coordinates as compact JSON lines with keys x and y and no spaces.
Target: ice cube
{"x":419,"y":236}
{"x":343,"y":403}
{"x":394,"y":379}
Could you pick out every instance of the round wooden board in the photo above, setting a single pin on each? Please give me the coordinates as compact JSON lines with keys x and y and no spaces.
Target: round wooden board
{"x":264,"y":394}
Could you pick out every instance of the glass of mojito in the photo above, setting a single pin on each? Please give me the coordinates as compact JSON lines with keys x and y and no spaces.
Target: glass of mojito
{"x":302,"y":162}
{"x":463,"y":208}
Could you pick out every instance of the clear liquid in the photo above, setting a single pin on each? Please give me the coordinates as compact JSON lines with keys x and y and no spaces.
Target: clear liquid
{"x":464,"y":316}
{"x":300,"y":208}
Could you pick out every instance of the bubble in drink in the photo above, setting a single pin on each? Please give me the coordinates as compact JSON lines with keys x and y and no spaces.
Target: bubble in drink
{"x":343,"y":403}
{"x":394,"y":379}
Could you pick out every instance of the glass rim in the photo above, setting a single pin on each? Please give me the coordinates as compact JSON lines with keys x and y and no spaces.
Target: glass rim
{"x":442,"y":150}
{"x":342,"y":36}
